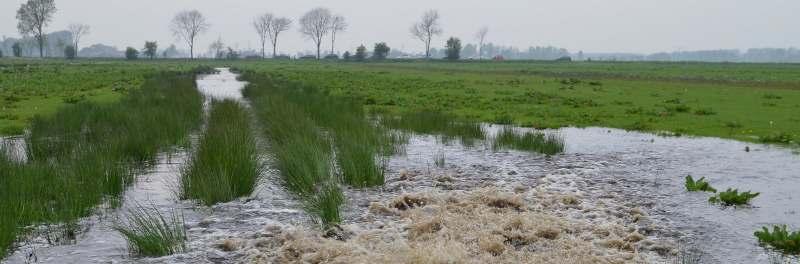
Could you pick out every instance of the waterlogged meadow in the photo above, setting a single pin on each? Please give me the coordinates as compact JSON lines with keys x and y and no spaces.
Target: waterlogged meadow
{"x":747,"y":102}
{"x":453,"y":162}
{"x":86,"y":153}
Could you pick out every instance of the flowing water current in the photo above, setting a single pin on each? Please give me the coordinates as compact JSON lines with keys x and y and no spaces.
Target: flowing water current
{"x":634,"y":169}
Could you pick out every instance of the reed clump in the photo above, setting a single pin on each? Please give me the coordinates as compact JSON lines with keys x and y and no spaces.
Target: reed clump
{"x":532,"y":141}
{"x":150,"y":233}
{"x":226,"y":164}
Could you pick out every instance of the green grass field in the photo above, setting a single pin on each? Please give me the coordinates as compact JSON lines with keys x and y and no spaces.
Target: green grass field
{"x":748,"y":102}
{"x":31,"y":87}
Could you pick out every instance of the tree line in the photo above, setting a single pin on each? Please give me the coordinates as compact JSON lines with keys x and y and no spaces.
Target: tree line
{"x":317,"y":25}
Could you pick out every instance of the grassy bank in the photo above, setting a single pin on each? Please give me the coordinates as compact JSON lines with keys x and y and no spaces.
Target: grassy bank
{"x":84,"y":153}
{"x":30,"y":87}
{"x":748,"y":102}
{"x":226,"y":164}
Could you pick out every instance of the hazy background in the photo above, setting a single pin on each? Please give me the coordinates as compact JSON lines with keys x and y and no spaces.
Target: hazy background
{"x":641,"y":26}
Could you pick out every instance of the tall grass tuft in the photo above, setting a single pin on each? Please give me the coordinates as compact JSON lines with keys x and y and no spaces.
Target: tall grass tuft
{"x":151,"y":234}
{"x":303,"y":152}
{"x":226,"y":164}
{"x":86,"y":152}
{"x":533,"y":141}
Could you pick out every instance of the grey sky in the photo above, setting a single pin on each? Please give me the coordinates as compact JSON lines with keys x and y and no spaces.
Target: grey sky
{"x":589,"y":25}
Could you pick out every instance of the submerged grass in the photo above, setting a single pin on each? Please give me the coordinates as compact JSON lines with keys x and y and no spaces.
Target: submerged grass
{"x":701,"y":185}
{"x":532,"y":141}
{"x":85,"y":153}
{"x":226,"y":164}
{"x":152,"y":234}
{"x":733,"y":197}
{"x":780,"y":239}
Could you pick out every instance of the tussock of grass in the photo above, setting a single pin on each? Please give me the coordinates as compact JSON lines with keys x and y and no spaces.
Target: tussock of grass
{"x":701,"y":185}
{"x":151,"y":234}
{"x":533,"y":141}
{"x":226,"y":164}
{"x":84,"y":154}
{"x":302,"y":154}
{"x":780,"y":238}
{"x":357,"y":141}
{"x":733,"y":197}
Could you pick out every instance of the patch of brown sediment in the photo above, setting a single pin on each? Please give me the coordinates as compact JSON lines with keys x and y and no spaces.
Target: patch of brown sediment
{"x":480,"y":226}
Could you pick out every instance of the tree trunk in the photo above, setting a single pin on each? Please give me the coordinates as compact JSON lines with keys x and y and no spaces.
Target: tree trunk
{"x":319,"y":45}
{"x":41,"y":46}
{"x":263,"y":50}
{"x":333,"y":41}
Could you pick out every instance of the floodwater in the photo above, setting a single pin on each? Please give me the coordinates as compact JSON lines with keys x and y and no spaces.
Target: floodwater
{"x":639,"y":170}
{"x":627,"y":169}
{"x":14,"y":148}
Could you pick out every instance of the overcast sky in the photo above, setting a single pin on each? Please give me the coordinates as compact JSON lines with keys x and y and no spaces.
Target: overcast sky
{"x":642,"y":26}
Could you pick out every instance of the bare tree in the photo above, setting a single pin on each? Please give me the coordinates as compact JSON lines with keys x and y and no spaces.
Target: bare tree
{"x":481,"y":37}
{"x":78,"y":31}
{"x":338,"y":24}
{"x":263,"y":24}
{"x":33,"y":17}
{"x":187,"y":25}
{"x":316,"y":24}
{"x":426,"y":29}
{"x":278,"y":25}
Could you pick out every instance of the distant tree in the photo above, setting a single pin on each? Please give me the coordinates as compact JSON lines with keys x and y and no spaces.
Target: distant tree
{"x":78,"y":31}
{"x":338,"y":24}
{"x":262,"y":25}
{"x":131,"y":53}
{"x":232,"y":54}
{"x":346,"y":56}
{"x":70,"y":52}
{"x":1,"y":53}
{"x":381,"y":51}
{"x":188,"y":25}
{"x":426,"y":29}
{"x":217,"y":47}
{"x":315,"y":25}
{"x":331,"y":57}
{"x":278,"y":25}
{"x":453,"y":48}
{"x":34,"y":16}
{"x":16,"y":49}
{"x":361,"y":53}
{"x":150,"y":49}
{"x":170,"y":51}
{"x":481,"y":37}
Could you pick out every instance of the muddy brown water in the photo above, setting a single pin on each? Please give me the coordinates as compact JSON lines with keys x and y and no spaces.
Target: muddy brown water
{"x":637,"y":169}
